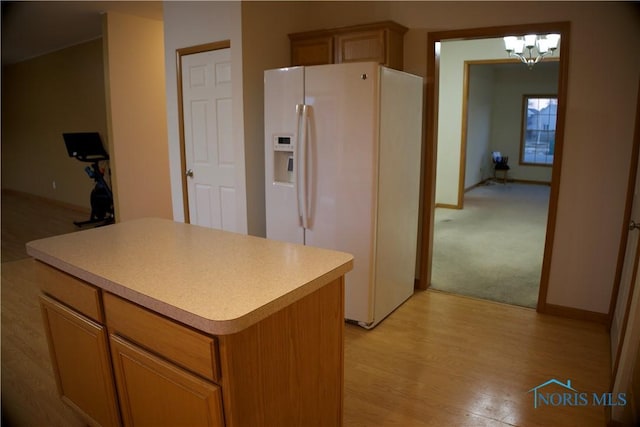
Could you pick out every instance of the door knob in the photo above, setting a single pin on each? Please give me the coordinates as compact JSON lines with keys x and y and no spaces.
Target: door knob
{"x":189,"y":173}
{"x":634,"y":225}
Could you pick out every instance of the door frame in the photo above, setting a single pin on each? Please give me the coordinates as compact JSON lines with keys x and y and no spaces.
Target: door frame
{"x":207,"y":47}
{"x":429,"y":156}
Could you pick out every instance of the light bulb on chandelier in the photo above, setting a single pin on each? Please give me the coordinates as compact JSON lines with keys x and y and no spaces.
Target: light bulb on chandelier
{"x":531,"y":48}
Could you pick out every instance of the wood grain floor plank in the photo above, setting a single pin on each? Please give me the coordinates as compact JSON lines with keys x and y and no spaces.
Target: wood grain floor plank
{"x":448,"y":360}
{"x":29,"y":393}
{"x":26,"y":218}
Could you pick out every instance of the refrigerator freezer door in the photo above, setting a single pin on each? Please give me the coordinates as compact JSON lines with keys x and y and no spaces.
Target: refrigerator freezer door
{"x":398,"y":189}
{"x":342,"y":159}
{"x":283,"y":91}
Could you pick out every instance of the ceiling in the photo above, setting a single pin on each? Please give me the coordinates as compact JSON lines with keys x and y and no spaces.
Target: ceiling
{"x":548,"y":65}
{"x":33,"y":28}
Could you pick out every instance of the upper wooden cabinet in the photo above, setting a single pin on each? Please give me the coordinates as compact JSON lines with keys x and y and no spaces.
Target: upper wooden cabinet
{"x":381,"y":42}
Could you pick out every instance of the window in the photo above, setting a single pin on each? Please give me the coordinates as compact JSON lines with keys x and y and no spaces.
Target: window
{"x":538,"y":129}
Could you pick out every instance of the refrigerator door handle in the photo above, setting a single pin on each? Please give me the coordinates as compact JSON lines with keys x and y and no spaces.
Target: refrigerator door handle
{"x":298,"y":155}
{"x":308,"y":165}
{"x":301,"y":159}
{"x":303,"y":145}
{"x":302,"y":166}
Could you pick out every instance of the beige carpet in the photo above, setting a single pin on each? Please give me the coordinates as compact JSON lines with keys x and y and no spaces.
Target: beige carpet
{"x":492,"y":249}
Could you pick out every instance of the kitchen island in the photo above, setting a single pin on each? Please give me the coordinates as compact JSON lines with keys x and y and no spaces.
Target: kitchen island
{"x":153,"y":322}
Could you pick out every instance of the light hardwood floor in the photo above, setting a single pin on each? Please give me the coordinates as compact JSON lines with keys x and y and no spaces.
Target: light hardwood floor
{"x":26,"y":218}
{"x":439,"y":360}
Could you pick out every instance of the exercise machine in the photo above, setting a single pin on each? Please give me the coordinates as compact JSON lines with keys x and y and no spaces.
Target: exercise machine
{"x":87,"y":147}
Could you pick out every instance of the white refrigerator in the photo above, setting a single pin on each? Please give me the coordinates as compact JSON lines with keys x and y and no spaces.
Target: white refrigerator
{"x":342,"y":153}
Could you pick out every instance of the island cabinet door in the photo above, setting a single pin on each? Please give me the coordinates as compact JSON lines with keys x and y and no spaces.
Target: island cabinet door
{"x":154,"y":392}
{"x":81,"y":363}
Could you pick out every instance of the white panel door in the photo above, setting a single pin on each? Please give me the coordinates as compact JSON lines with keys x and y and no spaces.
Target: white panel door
{"x":209,"y":150}
{"x":625,"y":327}
{"x":628,"y":270}
{"x":342,"y":164}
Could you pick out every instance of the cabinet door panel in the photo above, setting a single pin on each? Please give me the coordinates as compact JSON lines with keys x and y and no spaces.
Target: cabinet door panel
{"x":153,"y":392}
{"x":362,"y":46}
{"x":312,"y":51}
{"x":80,"y":359}
{"x":380,"y":42}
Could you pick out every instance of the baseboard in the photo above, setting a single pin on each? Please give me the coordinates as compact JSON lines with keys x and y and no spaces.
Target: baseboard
{"x":528,"y":181}
{"x":59,"y":203}
{"x":481,"y":183}
{"x":514,"y":180}
{"x":574,"y":313}
{"x":447,"y":206}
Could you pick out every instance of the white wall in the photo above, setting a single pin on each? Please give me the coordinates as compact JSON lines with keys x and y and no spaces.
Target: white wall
{"x":599,"y":131}
{"x":479,"y":111}
{"x":43,"y":97}
{"x":189,"y":24}
{"x":512,"y":82}
{"x":453,"y":54}
{"x":136,"y":116}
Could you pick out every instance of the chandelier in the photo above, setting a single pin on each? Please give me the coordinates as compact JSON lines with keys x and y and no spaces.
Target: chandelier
{"x":531,"y":48}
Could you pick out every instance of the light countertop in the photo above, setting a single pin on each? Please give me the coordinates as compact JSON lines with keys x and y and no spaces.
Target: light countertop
{"x":216,"y":281}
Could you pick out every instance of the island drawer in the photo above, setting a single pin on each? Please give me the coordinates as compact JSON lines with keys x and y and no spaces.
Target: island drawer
{"x":73,"y":292}
{"x":182,"y":345}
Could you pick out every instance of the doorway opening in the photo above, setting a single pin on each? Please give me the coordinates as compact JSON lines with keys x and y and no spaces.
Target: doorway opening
{"x":431,"y":159}
{"x":490,"y":245}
